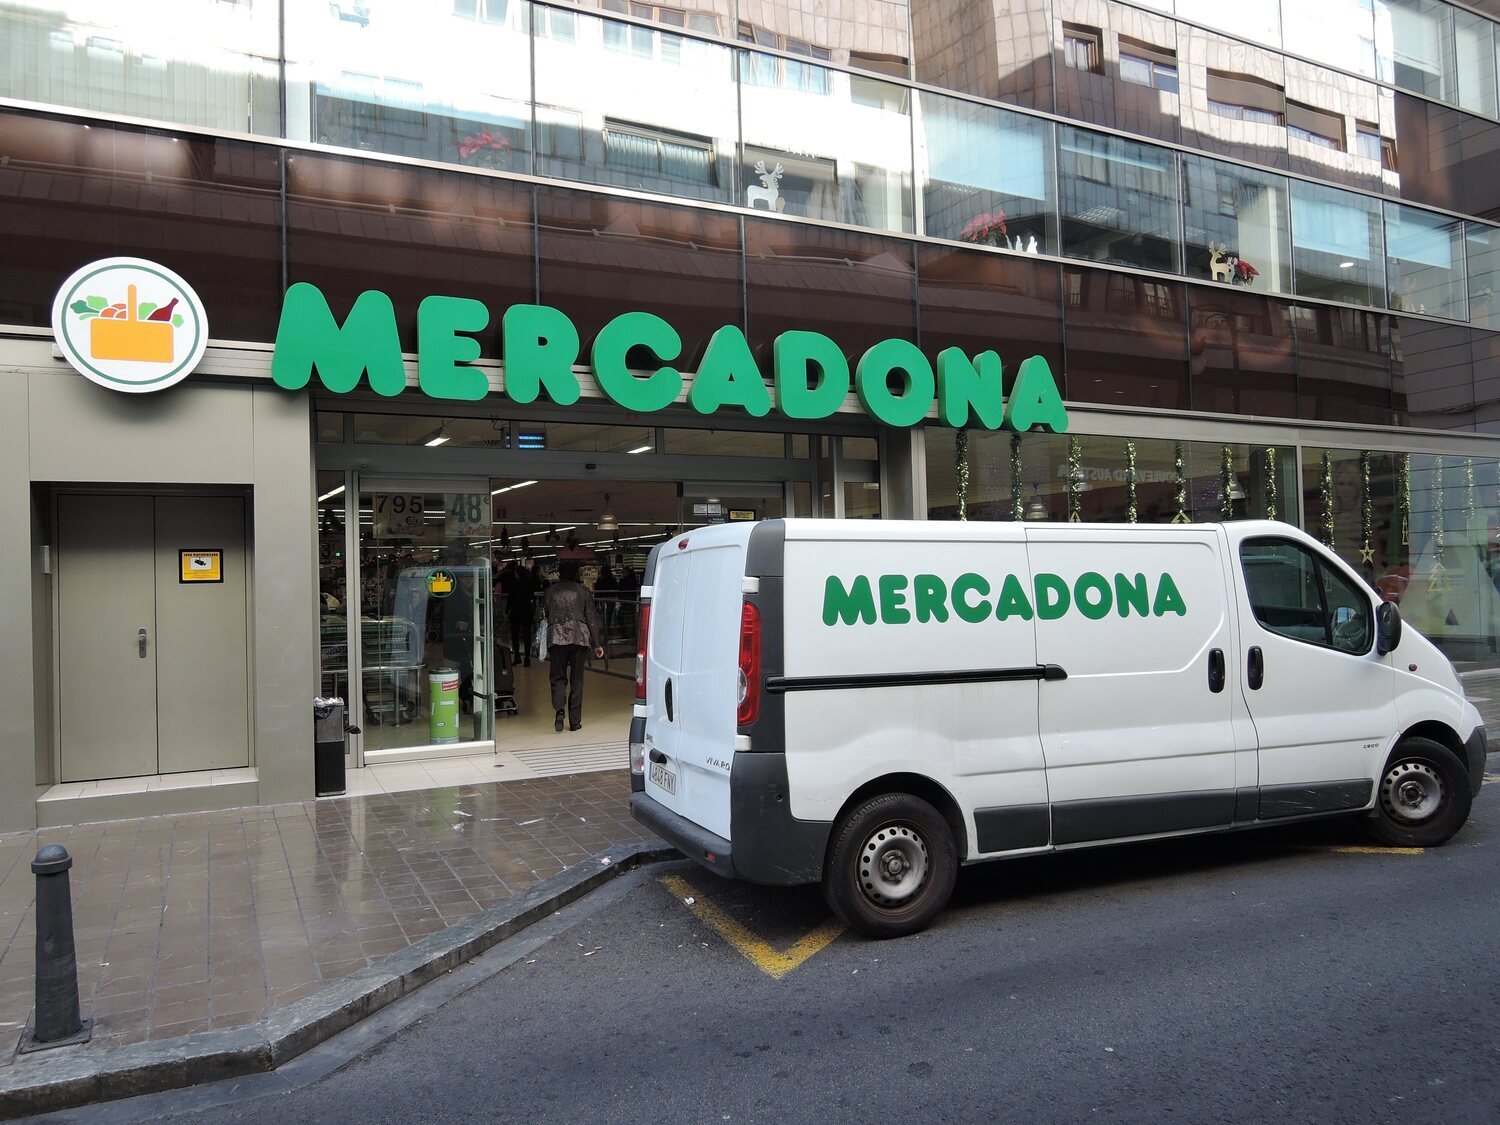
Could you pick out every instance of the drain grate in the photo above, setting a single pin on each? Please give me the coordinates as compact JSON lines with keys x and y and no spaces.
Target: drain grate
{"x":553,"y":761}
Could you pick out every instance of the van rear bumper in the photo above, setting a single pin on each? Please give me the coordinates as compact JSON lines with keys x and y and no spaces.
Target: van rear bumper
{"x":692,"y":840}
{"x":771,"y":846}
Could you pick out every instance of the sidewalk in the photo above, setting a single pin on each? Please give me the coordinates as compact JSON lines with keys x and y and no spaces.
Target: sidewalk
{"x":214,"y":920}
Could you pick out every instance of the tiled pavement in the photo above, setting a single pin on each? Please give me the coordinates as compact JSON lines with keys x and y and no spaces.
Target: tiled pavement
{"x":210,"y":920}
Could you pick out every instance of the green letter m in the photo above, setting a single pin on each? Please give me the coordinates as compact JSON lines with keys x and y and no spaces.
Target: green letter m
{"x":309,"y":338}
{"x":854,"y":604}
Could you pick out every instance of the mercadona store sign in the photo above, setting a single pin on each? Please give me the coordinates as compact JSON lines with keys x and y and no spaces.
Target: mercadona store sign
{"x":540,"y":347}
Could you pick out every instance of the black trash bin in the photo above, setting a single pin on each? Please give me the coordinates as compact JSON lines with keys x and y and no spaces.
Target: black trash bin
{"x":329,"y":729}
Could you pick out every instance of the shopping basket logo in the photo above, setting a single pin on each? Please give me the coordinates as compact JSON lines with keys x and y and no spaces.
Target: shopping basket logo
{"x":129,"y":324}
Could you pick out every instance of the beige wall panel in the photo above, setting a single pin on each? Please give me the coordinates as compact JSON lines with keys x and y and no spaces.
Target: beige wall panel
{"x":189,"y":433}
{"x":17,"y":717}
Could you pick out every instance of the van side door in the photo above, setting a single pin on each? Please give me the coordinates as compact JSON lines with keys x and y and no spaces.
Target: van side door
{"x":1321,"y":698}
{"x":1140,"y":737}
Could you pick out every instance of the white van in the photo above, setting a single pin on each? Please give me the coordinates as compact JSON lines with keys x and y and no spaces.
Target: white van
{"x":867,"y":704}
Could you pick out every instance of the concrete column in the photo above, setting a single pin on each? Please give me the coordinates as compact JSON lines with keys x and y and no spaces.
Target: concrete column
{"x":17,"y":666}
{"x":903,"y":474}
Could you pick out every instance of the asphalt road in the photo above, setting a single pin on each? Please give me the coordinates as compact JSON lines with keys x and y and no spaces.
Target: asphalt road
{"x":1257,"y":976}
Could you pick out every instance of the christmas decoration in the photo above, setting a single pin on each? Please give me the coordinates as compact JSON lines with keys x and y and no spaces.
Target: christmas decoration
{"x":1179,"y":483}
{"x":1325,"y":500}
{"x":1226,"y":482}
{"x":1438,"y":529}
{"x":1132,"y":513}
{"x":961,"y":469}
{"x":1075,"y":478}
{"x":1016,"y":511}
{"x":1273,"y":510}
{"x":1468,"y":494}
{"x":1366,"y":531}
{"x":1403,"y":471}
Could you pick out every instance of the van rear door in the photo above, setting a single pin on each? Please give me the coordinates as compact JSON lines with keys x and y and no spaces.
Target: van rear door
{"x":692,"y":665}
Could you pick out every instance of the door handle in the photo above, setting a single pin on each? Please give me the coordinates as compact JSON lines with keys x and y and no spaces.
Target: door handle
{"x":1256,"y":667}
{"x":1216,"y":671}
{"x":658,"y":757}
{"x":667,"y":699}
{"x":140,"y":643}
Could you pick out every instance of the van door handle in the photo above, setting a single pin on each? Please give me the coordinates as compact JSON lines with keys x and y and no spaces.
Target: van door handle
{"x":1216,"y":671}
{"x":658,"y":757}
{"x":1256,"y":666}
{"x":667,"y":699}
{"x":140,"y":643}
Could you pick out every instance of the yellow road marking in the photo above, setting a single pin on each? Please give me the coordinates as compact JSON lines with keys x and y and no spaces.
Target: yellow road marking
{"x":775,"y":963}
{"x":1357,"y":850}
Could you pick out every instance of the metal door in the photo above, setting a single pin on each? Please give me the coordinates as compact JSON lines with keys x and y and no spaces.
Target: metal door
{"x":106,"y":637}
{"x":202,"y":696}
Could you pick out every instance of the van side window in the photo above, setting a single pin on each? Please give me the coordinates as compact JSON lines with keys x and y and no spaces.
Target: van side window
{"x":1298,"y":595}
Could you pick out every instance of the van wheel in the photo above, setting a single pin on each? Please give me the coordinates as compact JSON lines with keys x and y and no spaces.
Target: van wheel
{"x":1423,"y":796}
{"x":891,"y":867}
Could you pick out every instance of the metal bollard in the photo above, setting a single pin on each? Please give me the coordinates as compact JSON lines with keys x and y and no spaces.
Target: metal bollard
{"x":58,"y":1021}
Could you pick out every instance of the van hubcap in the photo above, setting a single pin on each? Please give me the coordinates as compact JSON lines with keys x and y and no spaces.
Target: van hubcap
{"x":892,"y":865}
{"x":1412,"y":791}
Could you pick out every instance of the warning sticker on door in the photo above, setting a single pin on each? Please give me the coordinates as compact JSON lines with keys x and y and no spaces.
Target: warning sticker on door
{"x":200,"y":566}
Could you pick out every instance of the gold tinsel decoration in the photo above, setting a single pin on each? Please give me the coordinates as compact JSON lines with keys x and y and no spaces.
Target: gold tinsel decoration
{"x":1179,"y":484}
{"x":1132,"y":513}
{"x":1273,"y":509}
{"x":961,"y":470}
{"x":1438,"y":529}
{"x":1075,"y":478}
{"x":1226,"y":482}
{"x":1469,"y":495}
{"x":1016,"y":511}
{"x":1325,"y":498}
{"x":1403,"y":470}
{"x":1366,"y":515}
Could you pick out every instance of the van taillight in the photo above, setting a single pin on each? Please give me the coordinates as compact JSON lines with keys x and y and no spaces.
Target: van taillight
{"x":642,"y":630}
{"x":749,"y":693}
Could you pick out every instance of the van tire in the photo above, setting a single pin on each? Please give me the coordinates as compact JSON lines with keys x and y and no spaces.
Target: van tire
{"x":914,"y":839}
{"x":1422,"y":796}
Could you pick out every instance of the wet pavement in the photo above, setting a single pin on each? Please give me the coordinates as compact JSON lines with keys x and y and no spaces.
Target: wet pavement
{"x":212,"y":920}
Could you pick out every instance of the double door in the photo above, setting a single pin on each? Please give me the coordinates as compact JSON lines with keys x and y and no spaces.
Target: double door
{"x":152,"y":665}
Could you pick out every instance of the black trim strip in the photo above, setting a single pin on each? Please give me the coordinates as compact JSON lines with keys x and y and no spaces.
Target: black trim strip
{"x":1110,"y":818}
{"x":1012,"y":827}
{"x":1314,"y":797}
{"x":778,"y":684}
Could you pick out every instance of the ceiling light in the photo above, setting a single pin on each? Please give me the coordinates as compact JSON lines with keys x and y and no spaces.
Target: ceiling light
{"x":607,"y":521}
{"x":438,"y":437}
{"x":512,"y":487}
{"x":641,"y":449}
{"x":330,"y":494}
{"x":1346,"y":265}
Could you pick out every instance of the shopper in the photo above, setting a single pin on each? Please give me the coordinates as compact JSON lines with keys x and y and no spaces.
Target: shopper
{"x":521,"y":605}
{"x":573,"y":628}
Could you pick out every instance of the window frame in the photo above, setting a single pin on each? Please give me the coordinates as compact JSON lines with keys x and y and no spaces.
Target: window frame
{"x":1087,"y":41}
{"x":1320,"y":565}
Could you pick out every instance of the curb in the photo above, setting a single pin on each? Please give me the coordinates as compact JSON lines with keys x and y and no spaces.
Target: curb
{"x":41,"y":1084}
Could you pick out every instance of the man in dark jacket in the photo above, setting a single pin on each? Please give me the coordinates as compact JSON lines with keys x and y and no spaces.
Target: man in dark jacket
{"x":573,"y":628}
{"x":520,"y":602}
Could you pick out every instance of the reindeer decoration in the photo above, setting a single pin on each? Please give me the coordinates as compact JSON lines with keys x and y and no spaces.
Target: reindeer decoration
{"x":1220,"y":265}
{"x":768,"y":191}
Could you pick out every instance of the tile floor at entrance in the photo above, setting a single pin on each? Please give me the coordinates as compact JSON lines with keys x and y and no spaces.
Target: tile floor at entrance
{"x":525,"y":744}
{"x":210,"y":920}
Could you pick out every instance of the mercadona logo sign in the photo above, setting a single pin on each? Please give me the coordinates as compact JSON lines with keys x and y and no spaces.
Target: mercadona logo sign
{"x":129,"y":324}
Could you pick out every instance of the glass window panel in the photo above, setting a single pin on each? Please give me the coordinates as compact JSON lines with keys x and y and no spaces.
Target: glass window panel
{"x":1127,"y":341}
{"x":578,"y":438}
{"x":330,"y":426}
{"x":1244,"y":353}
{"x":1258,"y":21}
{"x":860,"y":449}
{"x":1338,"y":33}
{"x":117,"y":59}
{"x":1433,"y":374}
{"x":824,"y":144}
{"x":723,"y":443}
{"x":989,"y":175}
{"x":1474,"y":41}
{"x":1010,"y":56}
{"x":1344,"y":364}
{"x":1238,"y":225}
{"x":452,"y":85}
{"x":655,"y":111}
{"x":1425,"y":262}
{"x":1430,"y":150}
{"x":1414,"y":46}
{"x":981,"y":302}
{"x":76,"y":192}
{"x":1338,"y":253}
{"x":1482,"y":244}
{"x":1118,"y":200}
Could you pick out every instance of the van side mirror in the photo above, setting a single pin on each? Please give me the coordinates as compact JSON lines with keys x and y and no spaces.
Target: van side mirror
{"x":1387,"y":627}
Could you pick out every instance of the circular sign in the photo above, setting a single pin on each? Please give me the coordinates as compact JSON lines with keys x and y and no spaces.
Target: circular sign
{"x":129,"y":324}
{"x":441,"y":583}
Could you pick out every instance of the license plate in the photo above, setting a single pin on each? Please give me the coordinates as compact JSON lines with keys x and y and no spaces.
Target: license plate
{"x":663,"y":778}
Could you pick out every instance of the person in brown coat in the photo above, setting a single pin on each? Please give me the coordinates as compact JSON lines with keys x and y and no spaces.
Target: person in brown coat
{"x":573,"y":628}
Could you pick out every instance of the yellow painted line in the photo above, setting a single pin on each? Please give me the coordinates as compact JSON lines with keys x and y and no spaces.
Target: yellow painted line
{"x":1357,"y":850}
{"x":775,"y":963}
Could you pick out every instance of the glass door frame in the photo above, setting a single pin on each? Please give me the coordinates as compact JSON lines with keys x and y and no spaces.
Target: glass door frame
{"x":355,"y":482}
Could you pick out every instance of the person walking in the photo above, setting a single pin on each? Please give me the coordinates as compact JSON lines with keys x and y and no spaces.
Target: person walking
{"x":520,"y":602}
{"x":573,"y":628}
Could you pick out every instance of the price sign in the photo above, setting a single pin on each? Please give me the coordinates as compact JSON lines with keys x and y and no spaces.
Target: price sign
{"x":400,"y":515}
{"x":468,"y":514}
